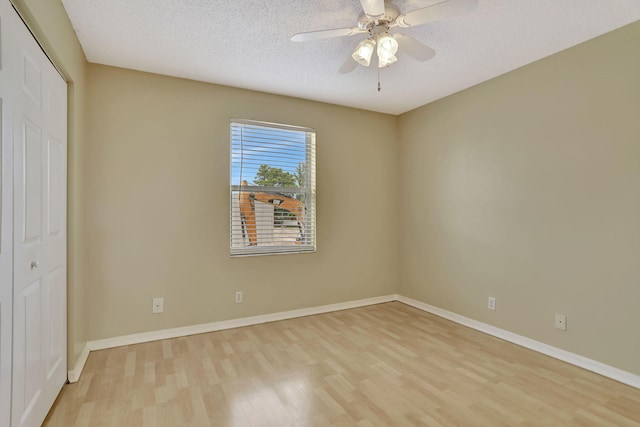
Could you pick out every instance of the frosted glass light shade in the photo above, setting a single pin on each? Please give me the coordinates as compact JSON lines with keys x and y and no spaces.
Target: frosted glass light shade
{"x":387,"y":48}
{"x":364,"y":50}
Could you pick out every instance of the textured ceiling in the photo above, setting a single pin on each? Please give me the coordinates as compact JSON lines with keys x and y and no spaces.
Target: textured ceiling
{"x":245,"y":43}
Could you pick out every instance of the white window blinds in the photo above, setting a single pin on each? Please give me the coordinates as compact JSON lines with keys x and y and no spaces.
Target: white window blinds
{"x":272,"y":188}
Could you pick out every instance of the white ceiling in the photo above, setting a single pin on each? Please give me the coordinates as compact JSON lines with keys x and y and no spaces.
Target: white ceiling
{"x":245,"y":43}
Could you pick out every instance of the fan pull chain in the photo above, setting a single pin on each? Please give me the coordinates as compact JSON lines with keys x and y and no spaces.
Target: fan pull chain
{"x":379,"y":80}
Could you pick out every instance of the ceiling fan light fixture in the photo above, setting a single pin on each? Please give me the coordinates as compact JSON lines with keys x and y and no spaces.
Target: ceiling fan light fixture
{"x":378,"y":17}
{"x":364,"y":50}
{"x":387,"y":48}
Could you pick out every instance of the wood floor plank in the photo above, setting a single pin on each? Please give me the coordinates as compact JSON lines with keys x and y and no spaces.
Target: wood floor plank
{"x":383,"y":365}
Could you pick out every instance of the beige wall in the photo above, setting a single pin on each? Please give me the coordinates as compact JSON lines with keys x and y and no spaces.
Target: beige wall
{"x":47,"y":19}
{"x":527,"y":188}
{"x":158,"y":205}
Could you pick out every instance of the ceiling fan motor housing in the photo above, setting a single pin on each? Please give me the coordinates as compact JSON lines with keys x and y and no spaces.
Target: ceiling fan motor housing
{"x":368,"y":23}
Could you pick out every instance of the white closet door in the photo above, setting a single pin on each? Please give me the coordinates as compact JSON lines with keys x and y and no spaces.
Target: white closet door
{"x":6,"y":222}
{"x":39,"y":233}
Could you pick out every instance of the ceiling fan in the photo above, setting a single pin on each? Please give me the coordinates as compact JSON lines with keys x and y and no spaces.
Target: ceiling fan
{"x":377,"y":18}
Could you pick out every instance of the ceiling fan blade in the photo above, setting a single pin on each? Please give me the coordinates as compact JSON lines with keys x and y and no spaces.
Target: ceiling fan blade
{"x":373,"y":8}
{"x":349,"y":65}
{"x":436,"y":12}
{"x":414,"y":48}
{"x":325,"y":34}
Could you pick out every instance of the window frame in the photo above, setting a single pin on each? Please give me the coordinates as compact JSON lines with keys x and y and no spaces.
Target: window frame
{"x":236,"y":223}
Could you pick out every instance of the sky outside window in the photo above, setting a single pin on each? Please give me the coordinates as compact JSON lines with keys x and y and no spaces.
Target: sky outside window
{"x":253,"y":146}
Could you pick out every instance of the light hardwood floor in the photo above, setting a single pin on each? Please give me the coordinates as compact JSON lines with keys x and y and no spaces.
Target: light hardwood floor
{"x":387,"y":364}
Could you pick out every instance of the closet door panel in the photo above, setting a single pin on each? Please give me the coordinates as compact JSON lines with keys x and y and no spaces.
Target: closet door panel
{"x":56,"y":193}
{"x":39,"y":247}
{"x":55,"y":278}
{"x":29,"y":324}
{"x":31,"y":301}
{"x":56,"y":321}
{"x":31,"y":160}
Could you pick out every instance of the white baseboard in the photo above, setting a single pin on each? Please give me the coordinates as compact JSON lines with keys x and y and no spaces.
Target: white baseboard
{"x":566,"y":356}
{"x":233,"y":323}
{"x":74,"y":375}
{"x":572,"y":358}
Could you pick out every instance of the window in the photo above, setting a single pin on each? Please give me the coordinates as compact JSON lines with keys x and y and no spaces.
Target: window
{"x":272,"y":189}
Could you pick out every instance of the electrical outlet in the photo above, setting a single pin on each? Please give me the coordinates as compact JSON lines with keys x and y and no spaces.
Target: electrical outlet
{"x":238,"y":296}
{"x":561,"y":322}
{"x":491,"y":303}
{"x":158,"y":305}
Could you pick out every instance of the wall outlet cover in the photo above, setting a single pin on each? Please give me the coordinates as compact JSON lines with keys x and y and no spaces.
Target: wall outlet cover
{"x":158,"y":305}
{"x":561,"y":322}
